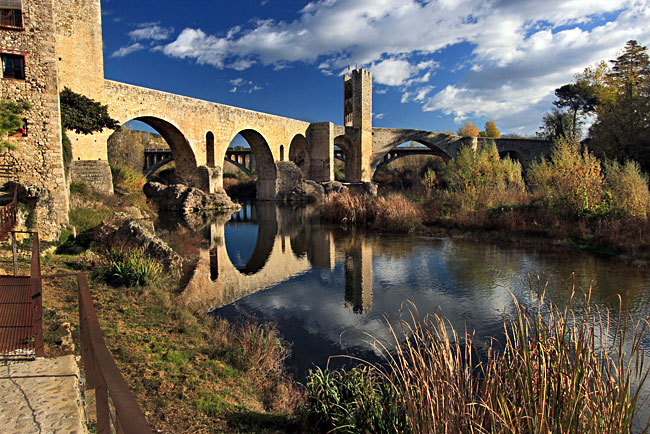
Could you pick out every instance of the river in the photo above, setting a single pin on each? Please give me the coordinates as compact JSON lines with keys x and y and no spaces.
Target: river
{"x":321,"y":284}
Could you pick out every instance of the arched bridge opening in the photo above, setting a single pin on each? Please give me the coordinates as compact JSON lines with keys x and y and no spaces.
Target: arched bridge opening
{"x":256,"y":158}
{"x":411,"y":152}
{"x":170,"y":144}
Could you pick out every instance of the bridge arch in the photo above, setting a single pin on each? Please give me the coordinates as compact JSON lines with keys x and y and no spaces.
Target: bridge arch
{"x":264,"y":163}
{"x":183,"y":154}
{"x":383,"y":159}
{"x":299,"y":153}
{"x":344,"y":143}
{"x":513,"y":155}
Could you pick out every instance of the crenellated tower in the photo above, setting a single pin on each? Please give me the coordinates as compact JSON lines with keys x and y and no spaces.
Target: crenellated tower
{"x":357,"y":114}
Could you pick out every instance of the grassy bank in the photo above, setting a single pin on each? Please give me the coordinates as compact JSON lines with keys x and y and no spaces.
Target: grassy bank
{"x":188,"y":372}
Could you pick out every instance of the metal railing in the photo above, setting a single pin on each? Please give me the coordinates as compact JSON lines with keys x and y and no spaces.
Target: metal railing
{"x":116,"y":408}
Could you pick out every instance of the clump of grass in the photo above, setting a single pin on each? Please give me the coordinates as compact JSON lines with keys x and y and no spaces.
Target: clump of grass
{"x":126,"y":180}
{"x":571,"y":370}
{"x":392,"y":213}
{"x":353,"y":401}
{"x":84,"y":218}
{"x":132,"y":266}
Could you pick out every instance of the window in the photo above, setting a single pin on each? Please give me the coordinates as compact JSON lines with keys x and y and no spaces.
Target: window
{"x":11,"y":13}
{"x":13,"y":66}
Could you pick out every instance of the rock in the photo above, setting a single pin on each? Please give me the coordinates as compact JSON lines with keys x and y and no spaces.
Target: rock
{"x":102,"y":234}
{"x":187,"y":200}
{"x":334,"y":187}
{"x":315,"y":192}
{"x":289,"y":177}
{"x":133,"y":234}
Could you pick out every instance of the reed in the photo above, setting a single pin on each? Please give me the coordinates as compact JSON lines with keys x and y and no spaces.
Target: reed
{"x":391,"y":213}
{"x":553,"y":370}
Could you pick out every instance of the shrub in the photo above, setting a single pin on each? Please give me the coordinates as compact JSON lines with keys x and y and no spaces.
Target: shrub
{"x":353,"y":401}
{"x":482,"y":176}
{"x":79,"y":188}
{"x":132,"y":266}
{"x":627,"y":188}
{"x":571,"y":182}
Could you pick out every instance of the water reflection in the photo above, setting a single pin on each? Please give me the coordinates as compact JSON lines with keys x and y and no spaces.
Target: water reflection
{"x":317,"y":281}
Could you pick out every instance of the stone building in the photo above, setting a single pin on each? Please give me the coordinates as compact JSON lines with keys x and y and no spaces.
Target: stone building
{"x":29,"y":73}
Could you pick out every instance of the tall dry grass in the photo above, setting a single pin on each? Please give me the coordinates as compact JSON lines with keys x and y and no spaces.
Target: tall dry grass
{"x":391,"y":213}
{"x":570,"y":370}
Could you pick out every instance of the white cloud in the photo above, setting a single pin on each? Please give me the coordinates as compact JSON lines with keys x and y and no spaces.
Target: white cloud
{"x":153,"y":31}
{"x":520,"y":50}
{"x":128,"y":49}
{"x":379,"y":116}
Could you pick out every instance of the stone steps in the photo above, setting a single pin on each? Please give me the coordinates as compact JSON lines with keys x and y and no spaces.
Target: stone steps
{"x":41,"y":396}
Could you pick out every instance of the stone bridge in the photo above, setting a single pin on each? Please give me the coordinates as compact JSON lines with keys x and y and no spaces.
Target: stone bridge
{"x":62,"y":42}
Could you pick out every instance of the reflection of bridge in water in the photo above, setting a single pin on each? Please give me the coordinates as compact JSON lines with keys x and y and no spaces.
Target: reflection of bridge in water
{"x":289,"y":242}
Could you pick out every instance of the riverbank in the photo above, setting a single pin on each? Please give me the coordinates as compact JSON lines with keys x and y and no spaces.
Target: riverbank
{"x":188,"y":372}
{"x":528,"y":225}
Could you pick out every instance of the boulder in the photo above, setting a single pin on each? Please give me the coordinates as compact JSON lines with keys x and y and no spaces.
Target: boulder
{"x":334,"y":187}
{"x":187,"y":200}
{"x":133,"y":234}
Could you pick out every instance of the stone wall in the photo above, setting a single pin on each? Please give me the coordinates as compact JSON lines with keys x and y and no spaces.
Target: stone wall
{"x":37,"y":161}
{"x":95,"y":173}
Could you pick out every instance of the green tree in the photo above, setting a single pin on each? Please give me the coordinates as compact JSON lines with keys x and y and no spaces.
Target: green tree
{"x":558,"y":124}
{"x":468,"y":129}
{"x":579,"y":98}
{"x":622,"y":127}
{"x":84,"y":115}
{"x":491,"y":130}
{"x":10,"y":121}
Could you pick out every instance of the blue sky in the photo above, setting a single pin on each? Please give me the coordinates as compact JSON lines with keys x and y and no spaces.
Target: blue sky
{"x":435,"y":64}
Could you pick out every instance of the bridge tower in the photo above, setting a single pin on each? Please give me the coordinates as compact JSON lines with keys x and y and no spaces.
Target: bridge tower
{"x":357,"y":115}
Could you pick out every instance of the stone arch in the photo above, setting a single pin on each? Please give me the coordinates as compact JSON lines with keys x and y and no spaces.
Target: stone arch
{"x":344,"y":143}
{"x":382,"y":161}
{"x":299,"y":153}
{"x":513,"y":155}
{"x":184,"y":158}
{"x":209,"y":148}
{"x":264,"y":163}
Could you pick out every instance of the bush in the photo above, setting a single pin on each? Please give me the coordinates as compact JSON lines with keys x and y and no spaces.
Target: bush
{"x":626,"y":189}
{"x":132,"y":267}
{"x":571,"y":182}
{"x":482,"y":176}
{"x":353,"y":401}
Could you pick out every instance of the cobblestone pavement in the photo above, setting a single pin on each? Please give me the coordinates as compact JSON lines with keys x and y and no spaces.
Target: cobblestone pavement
{"x":41,"y":396}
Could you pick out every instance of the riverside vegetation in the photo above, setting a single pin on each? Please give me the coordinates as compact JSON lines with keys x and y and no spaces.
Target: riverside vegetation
{"x":573,"y":198}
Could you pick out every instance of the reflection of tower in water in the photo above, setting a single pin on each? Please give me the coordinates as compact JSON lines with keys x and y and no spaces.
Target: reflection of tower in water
{"x":358,"y":277}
